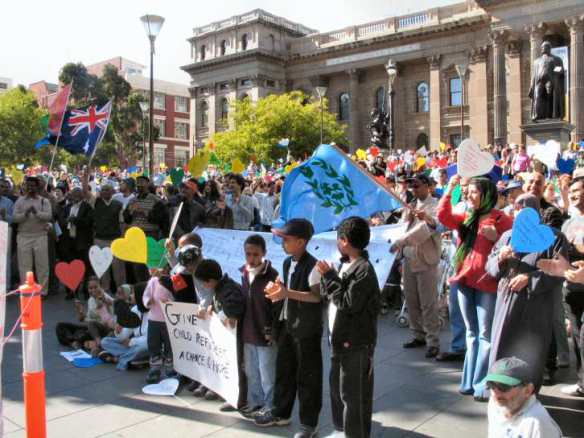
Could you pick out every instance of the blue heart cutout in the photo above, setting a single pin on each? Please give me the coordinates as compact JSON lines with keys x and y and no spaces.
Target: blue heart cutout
{"x":529,"y":235}
{"x":566,"y":166}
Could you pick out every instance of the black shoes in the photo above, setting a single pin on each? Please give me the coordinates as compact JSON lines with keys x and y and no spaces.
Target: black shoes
{"x":414,"y":343}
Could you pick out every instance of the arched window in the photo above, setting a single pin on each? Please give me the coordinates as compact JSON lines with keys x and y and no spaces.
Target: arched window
{"x":204,"y":108}
{"x":422,"y":98}
{"x":223,"y":47}
{"x":344,"y":107}
{"x":380,"y":99}
{"x":224,"y":109}
{"x":422,"y":140}
{"x":203,"y":52}
{"x":244,"y":42}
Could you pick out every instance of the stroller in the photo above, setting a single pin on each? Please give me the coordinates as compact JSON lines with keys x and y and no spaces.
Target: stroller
{"x":444,"y":271}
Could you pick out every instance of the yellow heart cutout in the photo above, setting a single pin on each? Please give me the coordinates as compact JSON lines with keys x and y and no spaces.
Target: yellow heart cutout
{"x":132,"y":247}
{"x":199,"y":162}
{"x":237,"y":166}
{"x":361,"y":154}
{"x":17,"y":175}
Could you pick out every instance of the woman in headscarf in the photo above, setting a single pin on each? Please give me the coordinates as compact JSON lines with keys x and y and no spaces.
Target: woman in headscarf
{"x":478,"y":230}
{"x":522,"y":326}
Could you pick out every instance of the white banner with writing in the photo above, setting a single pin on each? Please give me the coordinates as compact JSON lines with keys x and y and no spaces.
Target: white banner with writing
{"x":226,"y":246}
{"x":203,"y":349}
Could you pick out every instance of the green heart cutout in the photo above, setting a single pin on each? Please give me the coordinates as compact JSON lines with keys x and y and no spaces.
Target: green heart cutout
{"x":456,"y":195}
{"x":176,"y":176}
{"x":156,"y":252}
{"x":214,"y":160}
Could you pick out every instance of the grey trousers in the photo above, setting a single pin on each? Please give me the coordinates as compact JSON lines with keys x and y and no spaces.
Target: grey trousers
{"x":33,"y":256}
{"x":421,"y":293}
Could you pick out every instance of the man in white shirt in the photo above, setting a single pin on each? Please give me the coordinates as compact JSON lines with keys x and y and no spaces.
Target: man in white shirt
{"x":514,"y":411}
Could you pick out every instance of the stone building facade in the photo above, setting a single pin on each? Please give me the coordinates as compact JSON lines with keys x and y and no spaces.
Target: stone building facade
{"x":255,"y":54}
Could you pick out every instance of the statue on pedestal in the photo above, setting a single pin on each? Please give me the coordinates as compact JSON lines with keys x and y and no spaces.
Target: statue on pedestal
{"x":378,"y":127}
{"x":547,"y":89}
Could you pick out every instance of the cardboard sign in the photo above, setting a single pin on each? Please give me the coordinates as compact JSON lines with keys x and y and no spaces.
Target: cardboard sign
{"x":132,"y":247}
{"x":529,"y":235}
{"x":100,"y":259}
{"x":472,"y":161}
{"x":70,"y":274}
{"x":203,"y":349}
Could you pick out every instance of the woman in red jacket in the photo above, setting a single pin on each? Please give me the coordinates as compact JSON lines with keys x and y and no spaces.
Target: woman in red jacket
{"x":478,"y":229}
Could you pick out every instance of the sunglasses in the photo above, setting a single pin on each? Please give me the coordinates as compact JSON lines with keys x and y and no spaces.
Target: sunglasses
{"x":501,"y":387}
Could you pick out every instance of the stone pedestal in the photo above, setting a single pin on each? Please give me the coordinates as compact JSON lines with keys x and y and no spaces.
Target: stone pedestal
{"x":544,"y":130}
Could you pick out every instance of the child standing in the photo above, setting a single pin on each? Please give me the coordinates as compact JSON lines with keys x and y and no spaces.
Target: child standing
{"x":256,"y":328}
{"x":158,"y":292}
{"x":299,"y":359}
{"x":354,"y":304}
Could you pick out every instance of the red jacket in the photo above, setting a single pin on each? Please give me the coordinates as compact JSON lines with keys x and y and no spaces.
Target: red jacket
{"x":472,"y":271}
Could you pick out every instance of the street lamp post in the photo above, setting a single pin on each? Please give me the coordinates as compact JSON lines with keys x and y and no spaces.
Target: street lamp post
{"x":461,"y":70}
{"x":391,"y":69}
{"x":321,"y":92}
{"x":144,"y":107}
{"x":152,"y":25}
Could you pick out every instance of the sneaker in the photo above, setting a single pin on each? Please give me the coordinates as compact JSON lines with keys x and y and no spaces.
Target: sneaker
{"x":573,"y":390}
{"x":306,"y":432}
{"x":138,"y":364}
{"x":432,"y":352}
{"x":251,"y":413}
{"x":200,"y":391}
{"x":414,"y":343}
{"x":226,"y":407}
{"x":268,"y":420}
{"x":210,"y":395}
{"x":153,"y":376}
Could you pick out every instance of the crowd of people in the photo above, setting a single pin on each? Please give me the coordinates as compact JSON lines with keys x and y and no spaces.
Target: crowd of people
{"x":511,"y":314}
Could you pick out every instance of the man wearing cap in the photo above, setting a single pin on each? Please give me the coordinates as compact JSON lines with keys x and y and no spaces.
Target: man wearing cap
{"x":511,"y":192}
{"x":33,"y":215}
{"x":298,"y":335}
{"x":514,"y":411}
{"x":421,"y":249}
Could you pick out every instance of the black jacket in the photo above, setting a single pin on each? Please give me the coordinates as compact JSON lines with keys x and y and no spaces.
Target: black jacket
{"x":303,"y":319}
{"x":229,"y":298}
{"x":356,"y":295}
{"x":83,"y":227}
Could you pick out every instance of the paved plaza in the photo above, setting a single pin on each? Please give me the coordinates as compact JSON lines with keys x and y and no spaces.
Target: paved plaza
{"x":414,"y":397}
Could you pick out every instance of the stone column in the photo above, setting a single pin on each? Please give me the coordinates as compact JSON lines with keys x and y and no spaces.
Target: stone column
{"x":435,"y":107}
{"x":498,"y":38}
{"x":576,"y":26}
{"x":477,"y":96}
{"x":354,"y":122}
{"x":536,"y":33}
{"x":232,"y":97}
{"x":212,"y":114}
{"x":514,"y":117}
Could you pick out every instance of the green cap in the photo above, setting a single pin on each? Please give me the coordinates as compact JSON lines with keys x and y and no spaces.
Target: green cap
{"x":509,"y":371}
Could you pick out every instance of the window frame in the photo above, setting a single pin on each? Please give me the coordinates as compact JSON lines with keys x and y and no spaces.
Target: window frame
{"x":342,"y":116}
{"x":423,"y":98}
{"x":204,"y":114}
{"x":452,"y":93}
{"x":182,"y":99}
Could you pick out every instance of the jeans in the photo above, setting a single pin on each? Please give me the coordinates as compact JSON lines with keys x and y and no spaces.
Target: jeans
{"x":457,"y":327}
{"x":478,"y":309}
{"x":260,"y":369}
{"x":351,"y":386}
{"x":124,"y":353}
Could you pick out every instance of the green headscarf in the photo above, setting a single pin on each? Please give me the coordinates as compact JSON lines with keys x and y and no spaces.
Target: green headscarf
{"x":469,"y":228}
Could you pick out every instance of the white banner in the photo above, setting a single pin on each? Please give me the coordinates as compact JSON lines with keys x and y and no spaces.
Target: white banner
{"x":4,"y":241}
{"x":204,"y":350}
{"x":226,"y":246}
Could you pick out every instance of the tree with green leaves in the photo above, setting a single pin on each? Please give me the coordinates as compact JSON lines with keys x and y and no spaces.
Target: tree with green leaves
{"x":259,"y":126}
{"x":20,"y":126}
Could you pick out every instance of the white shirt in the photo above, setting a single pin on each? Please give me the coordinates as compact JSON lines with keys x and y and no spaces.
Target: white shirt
{"x":123,"y":199}
{"x":532,"y":421}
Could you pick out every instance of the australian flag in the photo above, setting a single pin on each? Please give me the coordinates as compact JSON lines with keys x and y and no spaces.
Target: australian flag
{"x":82,"y":131}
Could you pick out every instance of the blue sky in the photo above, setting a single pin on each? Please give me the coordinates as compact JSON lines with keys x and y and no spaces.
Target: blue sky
{"x":47,"y":34}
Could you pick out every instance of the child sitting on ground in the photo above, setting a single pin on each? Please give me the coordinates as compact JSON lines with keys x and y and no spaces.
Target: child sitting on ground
{"x":100,"y":316}
{"x":157,"y":293}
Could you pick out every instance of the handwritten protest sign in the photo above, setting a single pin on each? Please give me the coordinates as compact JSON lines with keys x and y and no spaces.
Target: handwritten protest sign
{"x":471,"y":161}
{"x":226,"y":246}
{"x":529,"y":234}
{"x":203,"y":349}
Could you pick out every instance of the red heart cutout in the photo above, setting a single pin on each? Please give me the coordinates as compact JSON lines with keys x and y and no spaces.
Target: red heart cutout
{"x":70,"y":274}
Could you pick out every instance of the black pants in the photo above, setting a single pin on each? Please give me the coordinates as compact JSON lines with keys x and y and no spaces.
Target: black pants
{"x":575,"y":301}
{"x":159,"y":347}
{"x":351,"y":385}
{"x":299,"y":370}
